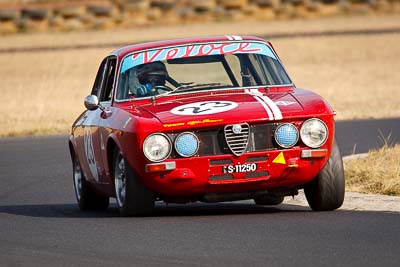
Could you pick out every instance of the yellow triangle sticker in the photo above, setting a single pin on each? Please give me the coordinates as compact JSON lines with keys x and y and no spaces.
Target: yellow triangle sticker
{"x":280,"y":159}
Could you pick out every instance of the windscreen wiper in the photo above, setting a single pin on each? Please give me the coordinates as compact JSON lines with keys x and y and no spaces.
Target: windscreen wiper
{"x":191,"y":86}
{"x":186,"y":87}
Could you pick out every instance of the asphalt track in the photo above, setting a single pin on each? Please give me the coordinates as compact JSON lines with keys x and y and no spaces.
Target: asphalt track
{"x":40,"y":223}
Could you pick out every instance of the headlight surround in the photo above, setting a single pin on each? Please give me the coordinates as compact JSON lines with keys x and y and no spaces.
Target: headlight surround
{"x":286,"y":135}
{"x":157,"y":147}
{"x":314,"y":133}
{"x":186,"y":144}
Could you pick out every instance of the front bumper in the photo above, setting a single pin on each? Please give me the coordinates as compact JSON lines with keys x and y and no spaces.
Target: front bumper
{"x":288,"y":168}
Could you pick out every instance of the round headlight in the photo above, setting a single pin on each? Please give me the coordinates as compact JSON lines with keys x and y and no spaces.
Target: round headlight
{"x":286,"y":135}
{"x":157,"y":147}
{"x":186,"y":144}
{"x":314,"y":133}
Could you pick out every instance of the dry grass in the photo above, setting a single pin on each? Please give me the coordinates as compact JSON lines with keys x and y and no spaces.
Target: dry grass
{"x":357,"y":75}
{"x":43,"y":92}
{"x":378,"y":173}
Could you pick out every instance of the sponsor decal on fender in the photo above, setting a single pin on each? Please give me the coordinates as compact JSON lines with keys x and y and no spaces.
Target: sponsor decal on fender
{"x":191,"y":123}
{"x":173,"y":124}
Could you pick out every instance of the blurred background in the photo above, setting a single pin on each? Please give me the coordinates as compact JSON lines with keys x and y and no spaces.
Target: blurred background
{"x":59,"y":15}
{"x":346,"y":50}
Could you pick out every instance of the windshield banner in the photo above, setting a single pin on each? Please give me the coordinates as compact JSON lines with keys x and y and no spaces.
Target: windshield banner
{"x":195,"y":51}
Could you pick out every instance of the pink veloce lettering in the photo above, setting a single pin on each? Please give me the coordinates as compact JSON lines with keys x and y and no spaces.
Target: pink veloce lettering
{"x":243,"y":46}
{"x":219,"y":47}
{"x":195,"y":50}
{"x":148,"y":58}
{"x":135,"y":56}
{"x":202,"y":50}
{"x":188,"y":50}
{"x":172,"y":53}
{"x":230,"y":49}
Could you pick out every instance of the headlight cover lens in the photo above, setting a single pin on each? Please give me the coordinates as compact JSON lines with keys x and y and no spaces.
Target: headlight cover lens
{"x":314,"y":133}
{"x":286,"y":135}
{"x":157,"y":147}
{"x":186,"y":144}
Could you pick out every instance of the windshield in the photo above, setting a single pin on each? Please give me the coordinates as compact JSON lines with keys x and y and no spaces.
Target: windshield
{"x":199,"y":67}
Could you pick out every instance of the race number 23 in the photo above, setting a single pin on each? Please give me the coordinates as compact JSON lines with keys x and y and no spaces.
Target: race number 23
{"x":88,"y":142}
{"x":204,"y":108}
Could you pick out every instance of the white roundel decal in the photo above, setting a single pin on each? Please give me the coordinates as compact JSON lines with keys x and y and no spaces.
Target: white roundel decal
{"x":204,"y":108}
{"x":88,"y":141}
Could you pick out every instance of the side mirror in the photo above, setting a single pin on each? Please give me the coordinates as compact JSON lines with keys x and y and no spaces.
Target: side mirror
{"x":91,"y":102}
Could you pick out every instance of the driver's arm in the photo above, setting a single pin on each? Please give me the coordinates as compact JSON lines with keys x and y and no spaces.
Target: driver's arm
{"x":144,"y":90}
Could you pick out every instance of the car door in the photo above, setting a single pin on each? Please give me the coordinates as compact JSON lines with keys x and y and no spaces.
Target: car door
{"x":92,"y":142}
{"x":105,"y":117}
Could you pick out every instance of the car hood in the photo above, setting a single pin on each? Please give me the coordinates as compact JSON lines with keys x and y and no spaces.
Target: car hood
{"x":232,"y":107}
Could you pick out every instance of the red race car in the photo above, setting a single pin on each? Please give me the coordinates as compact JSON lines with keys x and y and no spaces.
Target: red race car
{"x":204,"y":119}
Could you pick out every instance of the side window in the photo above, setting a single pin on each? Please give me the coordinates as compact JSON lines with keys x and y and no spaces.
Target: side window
{"x":278,"y":71}
{"x":99,"y":79}
{"x":106,"y":93}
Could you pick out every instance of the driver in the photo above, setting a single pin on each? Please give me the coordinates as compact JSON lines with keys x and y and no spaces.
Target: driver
{"x":149,"y":76}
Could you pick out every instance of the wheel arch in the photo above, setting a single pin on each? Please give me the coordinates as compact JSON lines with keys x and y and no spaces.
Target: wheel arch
{"x":112,"y":145}
{"x":72,"y":148}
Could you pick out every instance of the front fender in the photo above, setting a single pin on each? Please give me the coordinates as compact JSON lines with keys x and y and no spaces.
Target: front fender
{"x":72,"y":147}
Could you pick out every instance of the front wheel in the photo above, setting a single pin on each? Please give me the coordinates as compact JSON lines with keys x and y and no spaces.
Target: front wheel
{"x":326,"y":191}
{"x":86,"y":197}
{"x":133,"y":198}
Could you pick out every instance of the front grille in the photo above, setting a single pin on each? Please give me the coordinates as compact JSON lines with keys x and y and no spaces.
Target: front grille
{"x":237,"y":140}
{"x":256,"y":159}
{"x":221,"y":177}
{"x":256,"y":174}
{"x":260,"y":174}
{"x":213,"y":141}
{"x":220,"y":162}
{"x":262,"y":137}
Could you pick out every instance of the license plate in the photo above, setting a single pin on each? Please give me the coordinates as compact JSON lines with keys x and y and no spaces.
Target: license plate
{"x":250,"y":167}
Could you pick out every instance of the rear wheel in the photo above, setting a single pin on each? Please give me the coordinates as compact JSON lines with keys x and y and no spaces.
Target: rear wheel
{"x":133,"y":198}
{"x":268,"y":200}
{"x":86,"y":197}
{"x":326,"y":191}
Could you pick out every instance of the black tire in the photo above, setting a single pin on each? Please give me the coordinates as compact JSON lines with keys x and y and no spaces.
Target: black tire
{"x":326,"y":191}
{"x":133,"y":198}
{"x":268,"y":200}
{"x":86,"y":197}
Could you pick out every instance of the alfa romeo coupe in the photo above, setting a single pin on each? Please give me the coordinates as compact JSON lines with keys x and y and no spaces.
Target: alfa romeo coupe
{"x":204,"y":119}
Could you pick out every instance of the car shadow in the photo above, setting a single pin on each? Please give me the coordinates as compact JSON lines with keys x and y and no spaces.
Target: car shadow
{"x":165,"y":210}
{"x":55,"y":211}
{"x":221,"y":209}
{"x":160,"y":210}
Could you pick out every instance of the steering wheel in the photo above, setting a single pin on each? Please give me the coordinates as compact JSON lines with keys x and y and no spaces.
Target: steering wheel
{"x":163,"y":88}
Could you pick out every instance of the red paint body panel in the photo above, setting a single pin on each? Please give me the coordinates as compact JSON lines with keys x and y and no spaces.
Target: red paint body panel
{"x":126,"y":125}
